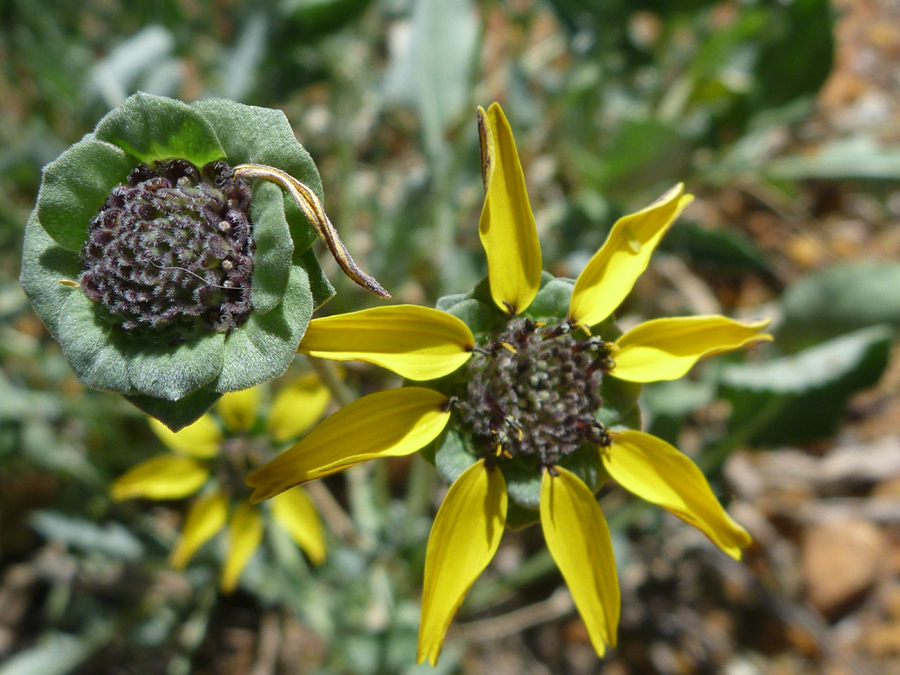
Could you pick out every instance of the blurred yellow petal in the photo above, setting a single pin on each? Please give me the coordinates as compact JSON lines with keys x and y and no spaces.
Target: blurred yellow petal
{"x":666,"y":349}
{"x":204,"y":519}
{"x":416,"y":342}
{"x":245,"y":534}
{"x":164,"y":477}
{"x":296,"y":513}
{"x":238,"y":409}
{"x":507,"y":223}
{"x":464,"y":539}
{"x":297,"y":407}
{"x":389,"y":423}
{"x":610,"y":274}
{"x":653,"y":470}
{"x":200,"y":439}
{"x":578,"y":539}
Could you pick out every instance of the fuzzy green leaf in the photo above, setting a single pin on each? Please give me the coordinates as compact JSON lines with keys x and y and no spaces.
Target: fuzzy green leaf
{"x":322,"y":290}
{"x":76,"y":185}
{"x":106,"y":358}
{"x":552,"y":299}
{"x":110,"y":539}
{"x":620,"y":403}
{"x":523,"y":483}
{"x":173,"y":372}
{"x":154,"y":128}
{"x":265,"y":345}
{"x":264,"y":136}
{"x":433,"y":68}
{"x":716,"y":249}
{"x":523,"y":477}
{"x":838,"y":300}
{"x":274,"y":248}
{"x":86,"y":343}
{"x":176,"y":414}
{"x":44,"y":264}
{"x":476,"y":308}
{"x":802,"y":397}
{"x":519,"y":517}
{"x":450,"y":454}
{"x":314,"y":20}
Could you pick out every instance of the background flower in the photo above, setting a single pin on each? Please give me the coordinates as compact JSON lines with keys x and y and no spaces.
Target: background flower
{"x":209,"y":459}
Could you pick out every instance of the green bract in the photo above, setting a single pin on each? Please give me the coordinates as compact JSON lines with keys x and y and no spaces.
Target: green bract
{"x":454,"y":451}
{"x":178,"y":374}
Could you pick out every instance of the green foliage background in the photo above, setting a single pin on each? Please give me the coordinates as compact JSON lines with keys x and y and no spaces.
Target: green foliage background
{"x":611,"y":103}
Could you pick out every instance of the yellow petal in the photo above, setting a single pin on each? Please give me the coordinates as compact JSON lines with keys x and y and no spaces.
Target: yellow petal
{"x":244,"y":536}
{"x":507,"y":226}
{"x":416,"y":342}
{"x":297,"y":407}
{"x":238,"y":408}
{"x":666,"y":349}
{"x":204,"y":519}
{"x":610,"y":274}
{"x":389,"y":423}
{"x":296,"y":513}
{"x":164,"y":477}
{"x":578,"y":539}
{"x":200,"y":439}
{"x":464,"y":539}
{"x":653,"y":470}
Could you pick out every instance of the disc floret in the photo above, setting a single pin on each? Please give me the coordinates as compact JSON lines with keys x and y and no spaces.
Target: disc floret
{"x":533,"y":390}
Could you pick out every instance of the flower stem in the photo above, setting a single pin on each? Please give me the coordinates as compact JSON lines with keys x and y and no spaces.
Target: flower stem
{"x":328,"y":374}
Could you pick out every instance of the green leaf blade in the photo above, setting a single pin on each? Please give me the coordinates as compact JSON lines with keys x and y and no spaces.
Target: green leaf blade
{"x":75,"y":187}
{"x":802,"y":397}
{"x":154,"y":128}
{"x":274,"y":248}
{"x":266,"y":344}
{"x":252,"y":135}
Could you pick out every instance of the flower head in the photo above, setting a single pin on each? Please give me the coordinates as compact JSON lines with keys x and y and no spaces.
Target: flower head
{"x":528,"y":392}
{"x":169,"y":252}
{"x":209,"y":459}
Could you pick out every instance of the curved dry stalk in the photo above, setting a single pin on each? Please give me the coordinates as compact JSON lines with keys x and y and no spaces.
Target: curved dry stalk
{"x":311,"y":207}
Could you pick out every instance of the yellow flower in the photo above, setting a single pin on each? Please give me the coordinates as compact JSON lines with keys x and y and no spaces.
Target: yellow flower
{"x":524,"y":394}
{"x":211,"y":457}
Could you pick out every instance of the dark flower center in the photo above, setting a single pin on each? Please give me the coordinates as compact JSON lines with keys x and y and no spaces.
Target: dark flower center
{"x":171,"y":250}
{"x":237,"y":457}
{"x":533,"y":390}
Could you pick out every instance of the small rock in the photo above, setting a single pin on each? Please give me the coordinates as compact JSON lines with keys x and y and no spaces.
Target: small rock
{"x":882,"y":640}
{"x":841,"y":559}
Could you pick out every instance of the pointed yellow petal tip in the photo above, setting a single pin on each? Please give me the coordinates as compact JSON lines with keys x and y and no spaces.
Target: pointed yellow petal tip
{"x":579,"y":541}
{"x":655,"y":471}
{"x":205,"y":518}
{"x":164,"y":477}
{"x":506,"y":227}
{"x":296,"y":513}
{"x":297,"y":407}
{"x":419,"y":343}
{"x":389,"y":423}
{"x":245,"y":534}
{"x":238,"y":408}
{"x":464,"y":538}
{"x":200,"y":439}
{"x":666,"y":349}
{"x":610,"y":275}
